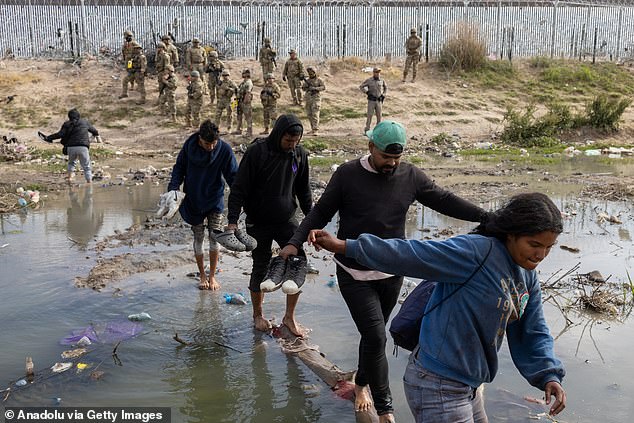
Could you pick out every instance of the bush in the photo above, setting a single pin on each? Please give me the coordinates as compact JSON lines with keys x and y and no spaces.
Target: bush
{"x":464,"y":48}
{"x":525,"y":130}
{"x":605,"y":113}
{"x":540,"y":62}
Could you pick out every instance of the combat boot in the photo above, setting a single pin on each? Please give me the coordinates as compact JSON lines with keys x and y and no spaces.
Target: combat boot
{"x":237,"y":132}
{"x":123,"y":95}
{"x":174,"y":117}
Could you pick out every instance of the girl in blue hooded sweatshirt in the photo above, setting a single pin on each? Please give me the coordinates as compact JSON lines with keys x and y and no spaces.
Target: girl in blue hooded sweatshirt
{"x":461,"y":336}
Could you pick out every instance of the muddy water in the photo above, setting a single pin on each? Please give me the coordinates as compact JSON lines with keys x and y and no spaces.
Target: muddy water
{"x":210,"y":382}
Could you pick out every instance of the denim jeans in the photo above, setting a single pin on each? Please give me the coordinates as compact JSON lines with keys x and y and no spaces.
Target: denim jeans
{"x":433,"y":399}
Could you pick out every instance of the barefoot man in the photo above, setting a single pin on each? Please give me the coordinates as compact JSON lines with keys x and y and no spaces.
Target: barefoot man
{"x":202,"y":164}
{"x":271,"y":180}
{"x":372,"y":195}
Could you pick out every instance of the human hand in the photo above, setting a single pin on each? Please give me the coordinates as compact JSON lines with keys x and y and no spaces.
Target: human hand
{"x":287,"y":251}
{"x":321,"y":239}
{"x":169,"y":204}
{"x":555,"y":389}
{"x":98,"y":139}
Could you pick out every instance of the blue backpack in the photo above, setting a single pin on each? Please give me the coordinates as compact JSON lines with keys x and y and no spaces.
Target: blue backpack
{"x":405,"y":326}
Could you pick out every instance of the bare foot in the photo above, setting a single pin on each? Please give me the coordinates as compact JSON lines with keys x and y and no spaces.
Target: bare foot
{"x":295,"y":328}
{"x":262,"y":324}
{"x":387,"y":418}
{"x":203,"y":284}
{"x":213,"y":284}
{"x":362,"y":398}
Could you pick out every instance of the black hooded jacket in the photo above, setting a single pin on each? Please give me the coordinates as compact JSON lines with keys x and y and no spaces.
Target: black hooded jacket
{"x":74,"y":132}
{"x":270,"y":180}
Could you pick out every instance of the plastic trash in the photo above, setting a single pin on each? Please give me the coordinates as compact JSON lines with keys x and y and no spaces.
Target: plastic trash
{"x":21,"y":382}
{"x":76,"y":353}
{"x":76,"y":335}
{"x":22,"y":202}
{"x":332,"y":281}
{"x":235,"y":299}
{"x":81,"y":367}
{"x":57,"y":401}
{"x":84,"y":341}
{"x":139,"y":317}
{"x":61,"y":367}
{"x":108,"y":332}
{"x":592,"y":152}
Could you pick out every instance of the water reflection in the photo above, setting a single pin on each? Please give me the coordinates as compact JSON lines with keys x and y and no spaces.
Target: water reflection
{"x":83,"y":221}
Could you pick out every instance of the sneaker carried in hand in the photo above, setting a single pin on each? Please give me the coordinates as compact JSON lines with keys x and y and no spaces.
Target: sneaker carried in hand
{"x":275,"y":275}
{"x":249,"y":242}
{"x":295,"y":275}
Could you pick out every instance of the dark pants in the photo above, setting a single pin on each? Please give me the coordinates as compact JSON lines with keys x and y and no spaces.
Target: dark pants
{"x":265,"y":235}
{"x":370,"y":304}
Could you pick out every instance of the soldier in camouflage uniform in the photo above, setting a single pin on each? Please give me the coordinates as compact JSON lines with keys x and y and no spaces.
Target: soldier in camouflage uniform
{"x":245,"y":96}
{"x":214,"y":69}
{"x":313,"y":87}
{"x":136,"y":72}
{"x":226,"y":89}
{"x":126,"y":50}
{"x":170,"y":82}
{"x":412,"y":46}
{"x":171,"y":50}
{"x":294,"y":73}
{"x":267,"y":58}
{"x":162,"y":60}
{"x":195,"y":92}
{"x":269,"y":95}
{"x":375,"y":88}
{"x":196,"y":59}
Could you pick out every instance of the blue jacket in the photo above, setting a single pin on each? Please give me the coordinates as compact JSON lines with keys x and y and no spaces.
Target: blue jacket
{"x":459,"y":340}
{"x":202,"y":173}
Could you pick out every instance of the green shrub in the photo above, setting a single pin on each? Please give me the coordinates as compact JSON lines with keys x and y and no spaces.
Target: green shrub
{"x":525,"y":130}
{"x":605,"y":112}
{"x":441,"y":139}
{"x":314,"y":144}
{"x":540,"y":62}
{"x":464,"y":48}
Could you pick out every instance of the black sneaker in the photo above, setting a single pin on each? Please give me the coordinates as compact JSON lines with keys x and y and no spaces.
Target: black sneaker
{"x":275,"y":275}
{"x":295,"y":275}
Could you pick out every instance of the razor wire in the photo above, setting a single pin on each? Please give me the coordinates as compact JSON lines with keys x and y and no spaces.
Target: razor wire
{"x":318,"y":29}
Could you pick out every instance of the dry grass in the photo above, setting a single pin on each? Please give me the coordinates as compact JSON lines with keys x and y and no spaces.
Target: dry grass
{"x":9,"y":79}
{"x":464,"y":49}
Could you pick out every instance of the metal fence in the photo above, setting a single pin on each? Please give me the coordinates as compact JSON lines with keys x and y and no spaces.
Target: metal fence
{"x":318,"y":29}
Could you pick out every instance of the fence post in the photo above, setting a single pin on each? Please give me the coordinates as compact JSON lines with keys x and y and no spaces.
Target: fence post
{"x":498,"y":49}
{"x":552,"y":31}
{"x":371,"y":28}
{"x":31,"y":29}
{"x":618,"y":34}
{"x":343,"y":42}
{"x":338,"y":44}
{"x":594,"y":48}
{"x":426,"y":43}
{"x":70,"y":35}
{"x":84,"y":33}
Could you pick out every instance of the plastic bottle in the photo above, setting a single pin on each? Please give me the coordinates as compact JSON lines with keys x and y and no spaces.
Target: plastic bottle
{"x":29,"y":367}
{"x":235,"y":299}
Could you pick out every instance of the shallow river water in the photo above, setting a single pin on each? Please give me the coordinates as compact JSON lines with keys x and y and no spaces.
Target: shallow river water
{"x":40,"y":305}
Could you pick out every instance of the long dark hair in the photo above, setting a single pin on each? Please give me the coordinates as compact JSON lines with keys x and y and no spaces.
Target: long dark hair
{"x":523,"y":214}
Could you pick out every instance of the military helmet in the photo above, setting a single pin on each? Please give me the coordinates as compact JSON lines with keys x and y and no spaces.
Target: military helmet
{"x":195,"y":74}
{"x":246,"y":72}
{"x":169,"y":68}
{"x":128,"y":34}
{"x":166,"y":37}
{"x":195,"y":40}
{"x":225,"y":72}
{"x":292,"y":51}
{"x":269,"y":76}
{"x":412,"y":31}
{"x":161,"y":44}
{"x":267,"y":40}
{"x":213,"y":53}
{"x":311,"y":69}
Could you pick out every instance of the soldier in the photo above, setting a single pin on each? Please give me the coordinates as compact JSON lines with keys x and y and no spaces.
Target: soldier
{"x":245,"y":96}
{"x":162,"y":60}
{"x":412,"y":46}
{"x":269,"y":95}
{"x":196,"y":59}
{"x":313,"y":87}
{"x":226,"y":90}
{"x":294,"y":73}
{"x":137,"y":67}
{"x":375,"y":88}
{"x":214,"y":69}
{"x":126,"y":51}
{"x":267,"y":58}
{"x":171,"y":49}
{"x":194,"y":99}
{"x":170,"y":82}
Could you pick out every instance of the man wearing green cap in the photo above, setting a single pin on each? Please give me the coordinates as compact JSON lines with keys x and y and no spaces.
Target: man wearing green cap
{"x":373,"y":195}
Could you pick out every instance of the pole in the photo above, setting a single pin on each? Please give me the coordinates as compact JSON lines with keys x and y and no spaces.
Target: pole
{"x":31,"y":29}
{"x":84,"y":33}
{"x":338,"y":46}
{"x":552,"y":30}
{"x":426,"y":43}
{"x":70,"y":35}
{"x":618,"y":34}
{"x":594,"y":48}
{"x":498,"y":48}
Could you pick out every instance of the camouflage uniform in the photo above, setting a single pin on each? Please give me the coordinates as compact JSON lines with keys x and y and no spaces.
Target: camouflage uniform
{"x":294,"y":73}
{"x":195,"y":91}
{"x":412,"y":45}
{"x":226,"y":90}
{"x":136,"y":72}
{"x":245,"y":97}
{"x":214,"y":69}
{"x":171,"y":82}
{"x":269,"y":95}
{"x":313,"y":87}
{"x":171,"y":50}
{"x":267,"y":58}
{"x":375,"y":88}
{"x":127,"y":51}
{"x":196,"y":59}
{"x":162,"y":60}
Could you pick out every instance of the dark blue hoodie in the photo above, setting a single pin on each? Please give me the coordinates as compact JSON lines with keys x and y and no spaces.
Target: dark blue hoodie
{"x":202,"y":172}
